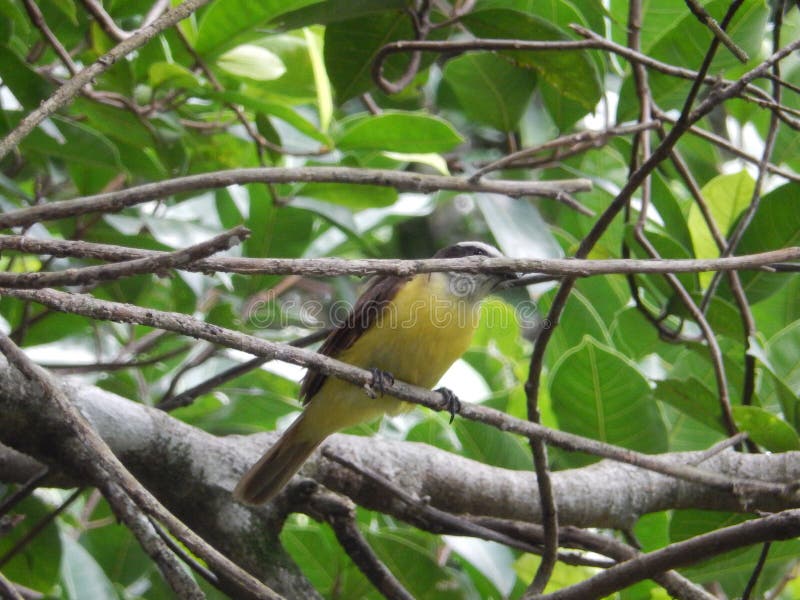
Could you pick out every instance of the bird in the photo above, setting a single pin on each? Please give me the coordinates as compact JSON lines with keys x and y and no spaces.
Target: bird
{"x":412,"y":328}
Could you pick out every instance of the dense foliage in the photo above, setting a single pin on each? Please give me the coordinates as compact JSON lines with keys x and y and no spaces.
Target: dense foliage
{"x":290,"y":83}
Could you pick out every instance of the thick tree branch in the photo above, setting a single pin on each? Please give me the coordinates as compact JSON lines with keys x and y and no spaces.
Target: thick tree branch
{"x":179,"y":323}
{"x":194,"y":472}
{"x":74,"y":445}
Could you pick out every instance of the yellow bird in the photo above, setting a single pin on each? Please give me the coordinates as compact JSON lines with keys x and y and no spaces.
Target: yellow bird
{"x":411,"y":328}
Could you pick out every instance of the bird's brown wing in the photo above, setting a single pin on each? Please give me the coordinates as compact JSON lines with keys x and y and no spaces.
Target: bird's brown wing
{"x":366,"y":310}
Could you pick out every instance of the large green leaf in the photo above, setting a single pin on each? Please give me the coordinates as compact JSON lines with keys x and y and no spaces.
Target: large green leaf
{"x":596,"y":392}
{"x":333,"y":11}
{"x":726,"y":197}
{"x":775,"y":225}
{"x":28,"y":87}
{"x":490,"y":89}
{"x":397,"y":131}
{"x":351,"y":46}
{"x":783,"y":350}
{"x":74,"y":143}
{"x":353,"y":196}
{"x":692,"y":397}
{"x":226,"y":23}
{"x":276,"y":109}
{"x":572,"y":73}
{"x":765,"y":429}
{"x":672,"y":34}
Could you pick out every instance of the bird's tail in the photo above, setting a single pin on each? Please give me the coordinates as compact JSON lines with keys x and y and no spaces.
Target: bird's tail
{"x":273,"y":470}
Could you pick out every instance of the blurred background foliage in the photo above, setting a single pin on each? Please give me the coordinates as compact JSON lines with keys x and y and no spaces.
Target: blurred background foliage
{"x":299,"y":73}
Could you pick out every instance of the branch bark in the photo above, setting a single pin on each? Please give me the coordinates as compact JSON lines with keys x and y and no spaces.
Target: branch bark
{"x":400,"y":180}
{"x":329,"y":267}
{"x":193,"y":473}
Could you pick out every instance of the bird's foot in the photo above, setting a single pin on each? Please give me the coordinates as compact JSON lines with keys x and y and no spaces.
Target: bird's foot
{"x":380,"y":381}
{"x":451,"y":401}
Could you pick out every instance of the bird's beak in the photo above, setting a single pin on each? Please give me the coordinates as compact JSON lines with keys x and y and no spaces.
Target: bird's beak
{"x":505,"y":281}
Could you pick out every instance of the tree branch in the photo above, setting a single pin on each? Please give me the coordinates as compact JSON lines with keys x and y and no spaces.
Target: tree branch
{"x":559,"y":190}
{"x":157,"y":263}
{"x":179,"y":323}
{"x":328,"y":267}
{"x":782,"y":526}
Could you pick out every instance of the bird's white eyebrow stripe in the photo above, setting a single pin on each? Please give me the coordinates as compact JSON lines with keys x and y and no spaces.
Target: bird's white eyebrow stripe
{"x":488,"y":248}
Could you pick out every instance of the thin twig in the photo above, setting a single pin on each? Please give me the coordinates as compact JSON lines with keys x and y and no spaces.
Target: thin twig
{"x":340,"y":514}
{"x":757,"y":570}
{"x":73,"y":87}
{"x":710,"y":22}
{"x":151,"y":264}
{"x":23,"y":491}
{"x":186,"y":397}
{"x":781,"y":526}
{"x":38,"y":20}
{"x":588,"y":139}
{"x":403,"y":181}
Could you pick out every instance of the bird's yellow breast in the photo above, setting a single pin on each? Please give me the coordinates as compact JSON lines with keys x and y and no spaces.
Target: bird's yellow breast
{"x":416,"y":338}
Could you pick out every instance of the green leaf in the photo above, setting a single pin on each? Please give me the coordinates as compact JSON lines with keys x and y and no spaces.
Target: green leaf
{"x":251,"y":62}
{"x":15,"y":20}
{"x":489,"y":89}
{"x":775,"y":225}
{"x":691,"y":397}
{"x":75,"y":143}
{"x":351,"y":46}
{"x":329,"y":570}
{"x":398,"y":131}
{"x":116,"y":123}
{"x":28,"y":87}
{"x":172,"y":74}
{"x":353,"y":196}
{"x":672,"y":34}
{"x":227,"y":22}
{"x":37,"y":565}
{"x":413,"y":556}
{"x":334,"y":11}
{"x":492,"y":446}
{"x":579,"y":310}
{"x":726,"y":197}
{"x":596,"y":392}
{"x":572,"y":74}
{"x":783,"y":350}
{"x":765,"y":429}
{"x":81,"y":576}
{"x":275,"y":109}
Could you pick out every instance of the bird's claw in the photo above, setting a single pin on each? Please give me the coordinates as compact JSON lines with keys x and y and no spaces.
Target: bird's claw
{"x":451,"y":401}
{"x":380,"y":381}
